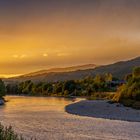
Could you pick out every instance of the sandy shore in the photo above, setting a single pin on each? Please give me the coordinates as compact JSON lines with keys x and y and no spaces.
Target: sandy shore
{"x":102,"y":109}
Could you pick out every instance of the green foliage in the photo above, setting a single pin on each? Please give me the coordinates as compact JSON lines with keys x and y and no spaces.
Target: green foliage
{"x":108,"y":77}
{"x":98,"y":79}
{"x":2,"y":89}
{"x":12,"y":88}
{"x":83,"y":87}
{"x":101,"y":96}
{"x":136,"y":72}
{"x":7,"y":133}
{"x":69,"y":86}
{"x":129,"y":93}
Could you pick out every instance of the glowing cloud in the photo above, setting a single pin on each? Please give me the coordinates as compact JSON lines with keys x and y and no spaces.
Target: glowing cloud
{"x":63,"y":54}
{"x":19,"y":56}
{"x":45,"y":55}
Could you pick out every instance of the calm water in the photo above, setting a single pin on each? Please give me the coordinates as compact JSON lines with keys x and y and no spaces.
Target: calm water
{"x":31,"y":113}
{"x":45,"y":119}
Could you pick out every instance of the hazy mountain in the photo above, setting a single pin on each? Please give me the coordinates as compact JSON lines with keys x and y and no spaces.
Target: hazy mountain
{"x":54,"y":74}
{"x":58,"y":70}
{"x":119,"y":69}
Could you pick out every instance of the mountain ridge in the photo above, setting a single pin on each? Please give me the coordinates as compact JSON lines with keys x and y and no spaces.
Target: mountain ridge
{"x":118,"y":69}
{"x":61,"y":69}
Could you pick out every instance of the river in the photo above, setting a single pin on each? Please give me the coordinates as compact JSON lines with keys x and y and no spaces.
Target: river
{"x":45,"y":118}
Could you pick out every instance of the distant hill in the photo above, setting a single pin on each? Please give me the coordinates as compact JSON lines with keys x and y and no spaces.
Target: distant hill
{"x":54,"y":74}
{"x":66,"y":69}
{"x":119,"y":69}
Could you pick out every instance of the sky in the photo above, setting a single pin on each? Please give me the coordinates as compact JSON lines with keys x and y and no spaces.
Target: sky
{"x":41,"y":34}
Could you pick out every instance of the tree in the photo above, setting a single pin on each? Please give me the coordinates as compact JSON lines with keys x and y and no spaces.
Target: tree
{"x":12,"y":88}
{"x":136,"y":72}
{"x":108,"y":77}
{"x":129,"y":93}
{"x":2,"y":89}
{"x":97,"y":79}
{"x":58,"y":88}
{"x":128,"y":77}
{"x":70,"y":86}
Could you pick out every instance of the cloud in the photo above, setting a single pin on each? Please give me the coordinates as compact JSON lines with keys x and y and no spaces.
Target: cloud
{"x":19,"y":56}
{"x":45,"y":55}
{"x":63,"y":54}
{"x":15,"y":56}
{"x":23,"y":56}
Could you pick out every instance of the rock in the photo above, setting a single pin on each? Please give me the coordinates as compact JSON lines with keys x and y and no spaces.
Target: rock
{"x":1,"y":102}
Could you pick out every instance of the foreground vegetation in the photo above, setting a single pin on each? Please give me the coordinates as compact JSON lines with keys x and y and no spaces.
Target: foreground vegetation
{"x":7,"y":133}
{"x":129,"y":93}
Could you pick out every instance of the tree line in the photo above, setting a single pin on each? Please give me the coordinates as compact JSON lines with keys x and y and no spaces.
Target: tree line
{"x":83,"y":87}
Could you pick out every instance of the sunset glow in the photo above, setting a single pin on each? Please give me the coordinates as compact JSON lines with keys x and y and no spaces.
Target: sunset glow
{"x":39,"y":34}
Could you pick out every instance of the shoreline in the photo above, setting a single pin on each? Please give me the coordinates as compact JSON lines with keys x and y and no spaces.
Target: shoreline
{"x":24,"y":95}
{"x":67,"y":97}
{"x":97,"y":109}
{"x":102,"y":109}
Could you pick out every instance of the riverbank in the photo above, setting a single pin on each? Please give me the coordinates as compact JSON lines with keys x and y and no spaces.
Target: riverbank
{"x":102,"y":109}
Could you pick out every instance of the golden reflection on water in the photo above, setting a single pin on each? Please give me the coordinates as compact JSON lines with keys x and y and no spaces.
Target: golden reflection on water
{"x":34,"y":116}
{"x":16,"y":103}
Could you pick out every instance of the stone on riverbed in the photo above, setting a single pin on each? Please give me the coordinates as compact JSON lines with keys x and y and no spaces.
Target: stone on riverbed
{"x":1,"y":102}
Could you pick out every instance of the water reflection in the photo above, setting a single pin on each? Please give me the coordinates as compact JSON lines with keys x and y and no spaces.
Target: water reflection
{"x":45,"y":119}
{"x":16,"y":103}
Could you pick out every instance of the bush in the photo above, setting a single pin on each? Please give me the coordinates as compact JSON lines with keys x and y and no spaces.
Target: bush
{"x":136,"y":72}
{"x":129,"y":93}
{"x":136,"y":105}
{"x":101,"y":96}
{"x":127,"y":102}
{"x":117,"y":97}
{"x":7,"y":133}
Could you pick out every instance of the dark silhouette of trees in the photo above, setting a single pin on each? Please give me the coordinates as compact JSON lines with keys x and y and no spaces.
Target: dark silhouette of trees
{"x":83,"y":87}
{"x":2,"y":89}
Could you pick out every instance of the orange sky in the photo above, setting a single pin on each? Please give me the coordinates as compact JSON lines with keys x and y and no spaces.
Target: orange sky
{"x":38,"y":35}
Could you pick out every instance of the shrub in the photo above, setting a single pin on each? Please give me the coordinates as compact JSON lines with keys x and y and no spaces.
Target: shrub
{"x":129,"y":93}
{"x":136,"y":105}
{"x":136,"y":72}
{"x":7,"y":133}
{"x":127,"y":102}
{"x":101,"y":96}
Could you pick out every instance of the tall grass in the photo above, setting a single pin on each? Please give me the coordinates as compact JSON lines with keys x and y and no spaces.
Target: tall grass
{"x":7,"y":133}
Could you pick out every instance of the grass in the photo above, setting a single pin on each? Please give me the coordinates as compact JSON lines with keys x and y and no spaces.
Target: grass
{"x":7,"y":133}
